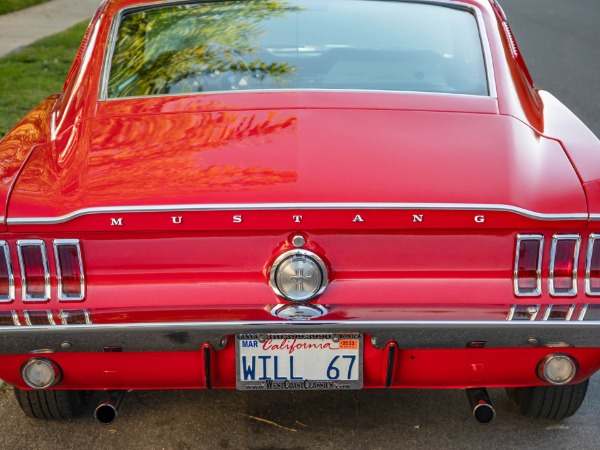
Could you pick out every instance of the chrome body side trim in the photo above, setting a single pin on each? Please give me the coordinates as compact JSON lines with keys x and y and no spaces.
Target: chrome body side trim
{"x":296,"y":207}
{"x":5,"y":249}
{"x":114,"y":29}
{"x":588,"y":265}
{"x":190,"y":336}
{"x":26,"y":297}
{"x":538,"y":290}
{"x":61,"y":295}
{"x":572,"y":291}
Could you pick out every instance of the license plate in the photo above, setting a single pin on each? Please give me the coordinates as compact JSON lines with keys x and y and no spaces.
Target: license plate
{"x":299,"y":361}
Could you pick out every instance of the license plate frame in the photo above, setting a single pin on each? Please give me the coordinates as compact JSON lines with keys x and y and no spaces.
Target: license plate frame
{"x":301,"y":365}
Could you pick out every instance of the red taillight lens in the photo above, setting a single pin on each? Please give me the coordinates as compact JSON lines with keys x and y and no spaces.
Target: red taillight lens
{"x":563,"y":264}
{"x":527,"y":276}
{"x":35,"y":278}
{"x":592,"y":273}
{"x":7,"y":279}
{"x":69,"y":265}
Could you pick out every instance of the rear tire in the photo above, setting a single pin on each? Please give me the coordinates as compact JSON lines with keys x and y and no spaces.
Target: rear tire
{"x":549,"y":402}
{"x":53,"y":405}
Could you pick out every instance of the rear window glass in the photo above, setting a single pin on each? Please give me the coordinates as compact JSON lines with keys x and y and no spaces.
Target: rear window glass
{"x":304,"y":44}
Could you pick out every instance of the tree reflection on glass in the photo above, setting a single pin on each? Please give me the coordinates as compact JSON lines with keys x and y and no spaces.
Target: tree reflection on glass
{"x":193,"y":48}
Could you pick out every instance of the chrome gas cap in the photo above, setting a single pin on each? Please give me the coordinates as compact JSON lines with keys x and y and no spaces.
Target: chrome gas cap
{"x":298,"y":276}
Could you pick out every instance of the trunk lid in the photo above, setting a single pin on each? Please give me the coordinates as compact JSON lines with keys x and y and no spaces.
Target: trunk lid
{"x":298,"y":156}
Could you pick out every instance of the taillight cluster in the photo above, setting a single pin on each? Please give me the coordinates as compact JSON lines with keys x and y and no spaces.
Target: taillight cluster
{"x":528,"y":265}
{"x":592,"y":272}
{"x":69,"y":267}
{"x":35,"y":270}
{"x":562,"y":270}
{"x":7,"y":279}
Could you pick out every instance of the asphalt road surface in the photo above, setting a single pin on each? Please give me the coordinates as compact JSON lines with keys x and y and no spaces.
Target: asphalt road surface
{"x":561,"y":42}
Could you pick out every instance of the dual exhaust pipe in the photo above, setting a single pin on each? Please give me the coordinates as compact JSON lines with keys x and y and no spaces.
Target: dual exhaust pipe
{"x":481,"y":405}
{"x":107,"y":410}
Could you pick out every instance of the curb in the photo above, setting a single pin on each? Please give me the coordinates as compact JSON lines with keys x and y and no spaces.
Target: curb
{"x":22,"y":28}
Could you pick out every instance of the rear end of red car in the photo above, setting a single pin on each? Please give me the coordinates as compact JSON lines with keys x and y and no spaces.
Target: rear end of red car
{"x":209,"y":206}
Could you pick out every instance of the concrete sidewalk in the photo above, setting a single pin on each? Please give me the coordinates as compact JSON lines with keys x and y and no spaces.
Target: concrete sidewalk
{"x":22,"y":28}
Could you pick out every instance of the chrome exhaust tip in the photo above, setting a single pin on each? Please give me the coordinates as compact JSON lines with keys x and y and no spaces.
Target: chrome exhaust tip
{"x":107,"y":410}
{"x":481,"y":405}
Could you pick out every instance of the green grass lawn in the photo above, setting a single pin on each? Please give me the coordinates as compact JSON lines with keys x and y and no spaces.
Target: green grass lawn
{"x":7,"y":6}
{"x":29,"y":76}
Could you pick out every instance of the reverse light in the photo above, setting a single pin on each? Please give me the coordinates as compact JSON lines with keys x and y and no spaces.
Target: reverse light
{"x":7,"y":278}
{"x":557,"y":369}
{"x":528,"y":264}
{"x":40,"y":373}
{"x":35,"y":277}
{"x":564,"y":255}
{"x":592,"y":269}
{"x":69,"y":267}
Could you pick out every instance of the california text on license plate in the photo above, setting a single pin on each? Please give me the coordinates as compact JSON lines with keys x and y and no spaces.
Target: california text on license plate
{"x":284,"y":361}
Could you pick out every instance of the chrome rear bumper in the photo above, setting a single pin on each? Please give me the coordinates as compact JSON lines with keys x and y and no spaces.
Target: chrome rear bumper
{"x":185,"y":336}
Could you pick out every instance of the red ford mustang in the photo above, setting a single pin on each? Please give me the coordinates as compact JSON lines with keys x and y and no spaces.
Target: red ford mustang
{"x":299,"y":194}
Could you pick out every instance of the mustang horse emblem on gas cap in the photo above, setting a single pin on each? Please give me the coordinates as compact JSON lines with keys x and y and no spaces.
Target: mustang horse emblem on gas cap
{"x":299,"y":279}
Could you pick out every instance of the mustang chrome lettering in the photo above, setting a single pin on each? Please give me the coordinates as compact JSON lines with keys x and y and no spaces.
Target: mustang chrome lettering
{"x":116,"y":222}
{"x":358,"y":218}
{"x":572,"y":216}
{"x":177,"y":220}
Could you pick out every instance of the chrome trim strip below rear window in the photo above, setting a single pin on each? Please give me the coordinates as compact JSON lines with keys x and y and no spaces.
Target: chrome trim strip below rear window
{"x":298,"y":206}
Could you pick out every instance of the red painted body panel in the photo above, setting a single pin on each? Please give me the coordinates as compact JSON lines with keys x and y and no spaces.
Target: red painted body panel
{"x":300,"y":154}
{"x":521,"y":161}
{"x":413,"y":369}
{"x":16,"y":146}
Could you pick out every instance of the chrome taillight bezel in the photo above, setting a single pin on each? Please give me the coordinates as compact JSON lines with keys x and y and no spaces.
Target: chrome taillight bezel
{"x":572,"y":291}
{"x":559,"y":312}
{"x":42,"y":245}
{"x":61,"y":295}
{"x":10,"y":272}
{"x":588,"y":262}
{"x":538,"y":290}
{"x":524,"y":312}
{"x":38,"y":318}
